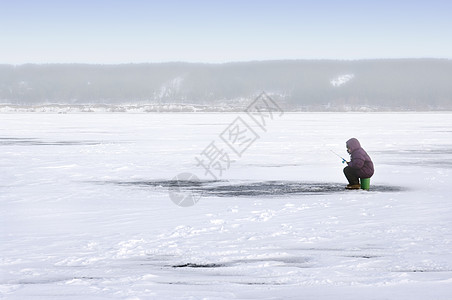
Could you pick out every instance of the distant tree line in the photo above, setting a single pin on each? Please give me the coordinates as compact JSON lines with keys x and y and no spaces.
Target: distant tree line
{"x":398,"y":83}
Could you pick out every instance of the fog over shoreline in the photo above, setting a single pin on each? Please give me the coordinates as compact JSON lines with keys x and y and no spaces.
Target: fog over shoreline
{"x":297,"y":85}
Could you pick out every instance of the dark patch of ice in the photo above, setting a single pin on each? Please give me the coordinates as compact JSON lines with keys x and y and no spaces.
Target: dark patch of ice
{"x":192,"y":265}
{"x":301,"y":262}
{"x":253,"y":188}
{"x":38,"y":142}
{"x":421,"y":271}
{"x":363,"y":256}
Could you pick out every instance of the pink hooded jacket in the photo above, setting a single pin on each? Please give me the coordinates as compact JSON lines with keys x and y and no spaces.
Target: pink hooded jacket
{"x":360,"y":160}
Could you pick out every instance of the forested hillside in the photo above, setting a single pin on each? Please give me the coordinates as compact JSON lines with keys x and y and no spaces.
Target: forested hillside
{"x":296,"y":84}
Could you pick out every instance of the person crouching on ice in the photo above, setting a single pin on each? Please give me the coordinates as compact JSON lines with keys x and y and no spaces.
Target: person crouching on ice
{"x":359,"y":166}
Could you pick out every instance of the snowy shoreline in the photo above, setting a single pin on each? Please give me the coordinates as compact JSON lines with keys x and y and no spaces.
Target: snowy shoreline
{"x":194,"y":108}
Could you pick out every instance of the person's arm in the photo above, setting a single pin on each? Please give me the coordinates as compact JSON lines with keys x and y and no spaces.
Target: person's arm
{"x":356,"y":163}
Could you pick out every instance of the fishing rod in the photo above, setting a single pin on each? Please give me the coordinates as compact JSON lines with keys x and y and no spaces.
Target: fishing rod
{"x":343,"y":159}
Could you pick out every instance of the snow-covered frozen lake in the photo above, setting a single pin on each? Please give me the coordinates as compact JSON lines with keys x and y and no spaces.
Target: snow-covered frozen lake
{"x":86,"y":213}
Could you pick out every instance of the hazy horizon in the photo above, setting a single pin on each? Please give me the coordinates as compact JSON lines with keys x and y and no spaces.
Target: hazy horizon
{"x":422,"y":84}
{"x":235,"y":62}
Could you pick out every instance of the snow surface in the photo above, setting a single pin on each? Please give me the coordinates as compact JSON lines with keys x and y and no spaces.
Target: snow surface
{"x":85,"y":211}
{"x":341,"y":80}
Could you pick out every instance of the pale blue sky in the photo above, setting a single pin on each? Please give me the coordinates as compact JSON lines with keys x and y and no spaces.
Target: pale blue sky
{"x":113,"y":31}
